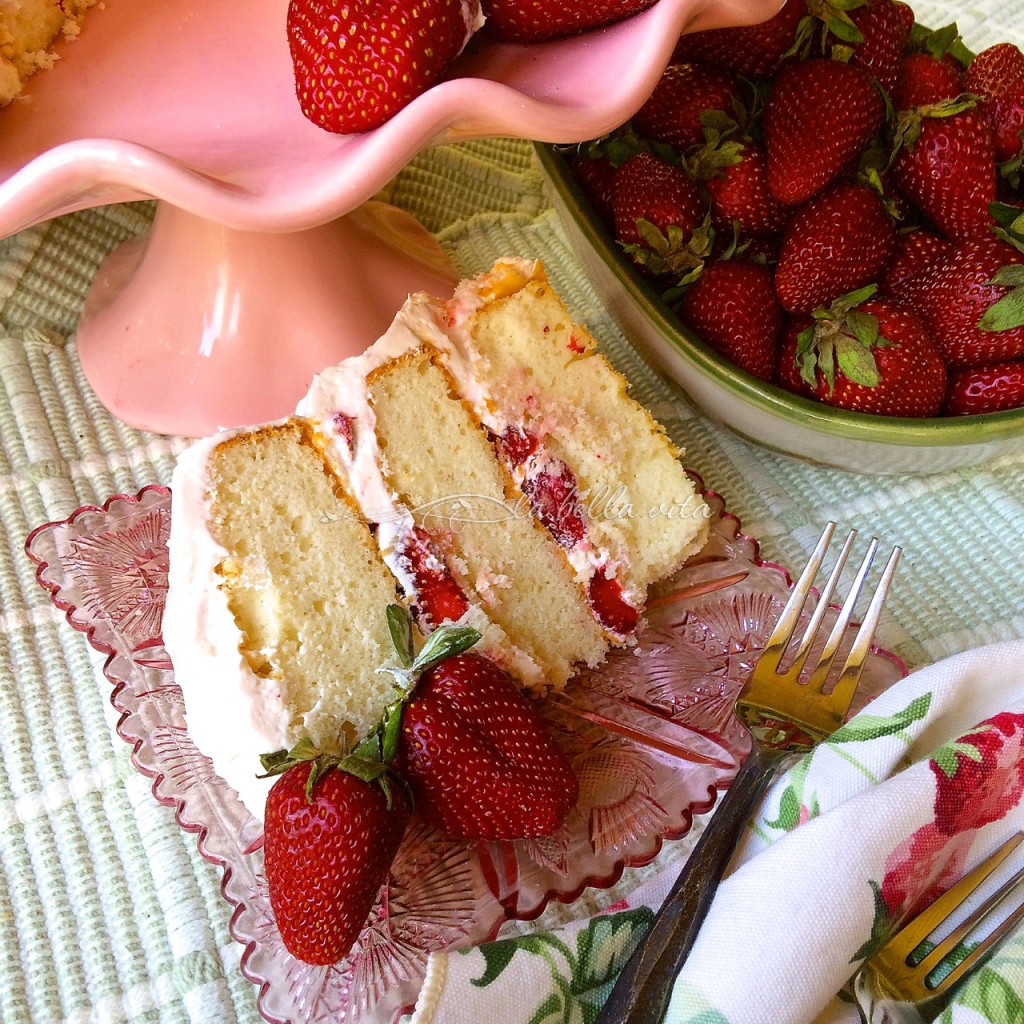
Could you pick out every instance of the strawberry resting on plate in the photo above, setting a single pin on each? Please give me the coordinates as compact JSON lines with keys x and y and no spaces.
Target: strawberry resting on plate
{"x":357,"y":64}
{"x":461,"y":745}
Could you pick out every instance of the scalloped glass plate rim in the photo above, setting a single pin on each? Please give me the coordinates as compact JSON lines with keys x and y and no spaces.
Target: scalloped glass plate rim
{"x":177,"y":802}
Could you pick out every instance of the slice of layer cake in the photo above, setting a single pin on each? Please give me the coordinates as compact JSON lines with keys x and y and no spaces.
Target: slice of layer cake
{"x":28,"y":28}
{"x":275,"y":615}
{"x":480,"y":462}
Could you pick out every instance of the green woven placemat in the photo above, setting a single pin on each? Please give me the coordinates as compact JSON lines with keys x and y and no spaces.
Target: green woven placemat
{"x":107,"y":911}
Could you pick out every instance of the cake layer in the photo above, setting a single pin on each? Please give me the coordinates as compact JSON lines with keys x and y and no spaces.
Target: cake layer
{"x":290,"y":634}
{"x":597,"y":466}
{"x":479,"y":462}
{"x":442,"y":465}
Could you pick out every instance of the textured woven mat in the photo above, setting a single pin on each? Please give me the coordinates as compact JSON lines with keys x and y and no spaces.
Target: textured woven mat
{"x":107,"y":912}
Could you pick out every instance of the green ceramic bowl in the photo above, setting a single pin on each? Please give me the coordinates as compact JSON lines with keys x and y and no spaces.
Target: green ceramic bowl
{"x":760,"y":412}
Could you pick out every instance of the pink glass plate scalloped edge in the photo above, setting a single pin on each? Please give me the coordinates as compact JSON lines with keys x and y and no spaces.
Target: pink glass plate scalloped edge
{"x":750,"y":550}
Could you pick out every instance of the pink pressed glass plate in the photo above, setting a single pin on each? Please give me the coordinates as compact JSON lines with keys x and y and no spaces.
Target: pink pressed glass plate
{"x":669,"y":742}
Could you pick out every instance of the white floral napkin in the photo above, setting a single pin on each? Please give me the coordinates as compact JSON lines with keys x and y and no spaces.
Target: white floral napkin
{"x":865,"y":830}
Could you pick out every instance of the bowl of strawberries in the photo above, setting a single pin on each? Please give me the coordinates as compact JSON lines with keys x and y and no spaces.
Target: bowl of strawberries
{"x":815,"y":226}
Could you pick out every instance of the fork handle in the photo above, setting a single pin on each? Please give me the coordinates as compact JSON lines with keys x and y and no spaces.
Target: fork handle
{"x":644,"y":987}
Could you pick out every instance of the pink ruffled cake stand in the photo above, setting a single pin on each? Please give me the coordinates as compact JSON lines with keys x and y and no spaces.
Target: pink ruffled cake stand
{"x":266,"y":262}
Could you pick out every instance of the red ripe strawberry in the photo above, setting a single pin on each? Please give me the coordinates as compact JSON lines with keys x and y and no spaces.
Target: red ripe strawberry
{"x":873,"y":356}
{"x":948,"y":172}
{"x":924,"y":79}
{"x":997,"y":74}
{"x":980,"y":389}
{"x":477,"y":757}
{"x":953,"y":294}
{"x":732,"y":307}
{"x":596,"y":177}
{"x":884,"y":33}
{"x":550,"y":485}
{"x":672,"y":112}
{"x":819,"y":117}
{"x":438,"y":596}
{"x":357,"y":65}
{"x":914,"y":250}
{"x":746,"y":49}
{"x":834,"y":243}
{"x":647,"y":188}
{"x":328,"y":845}
{"x":739,"y":192}
{"x":530,"y":21}
{"x":787,"y":373}
{"x":906,"y":16}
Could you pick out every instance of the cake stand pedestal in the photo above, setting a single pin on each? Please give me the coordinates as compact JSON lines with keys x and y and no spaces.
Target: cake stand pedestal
{"x":200,"y":326}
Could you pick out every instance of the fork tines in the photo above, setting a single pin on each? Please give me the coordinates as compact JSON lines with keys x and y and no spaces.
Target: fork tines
{"x":907,"y":940}
{"x":786,"y":626}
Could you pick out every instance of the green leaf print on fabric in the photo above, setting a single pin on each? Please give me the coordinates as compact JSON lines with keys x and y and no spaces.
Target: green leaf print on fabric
{"x":496,"y":958}
{"x":991,"y":996}
{"x":583,"y":976}
{"x":883,"y":925}
{"x":871,"y":727}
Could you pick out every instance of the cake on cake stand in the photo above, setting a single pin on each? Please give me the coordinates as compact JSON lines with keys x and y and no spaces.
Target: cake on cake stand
{"x":266,"y":262}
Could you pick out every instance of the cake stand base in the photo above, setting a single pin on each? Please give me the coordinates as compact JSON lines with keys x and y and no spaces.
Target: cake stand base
{"x":198,"y":327}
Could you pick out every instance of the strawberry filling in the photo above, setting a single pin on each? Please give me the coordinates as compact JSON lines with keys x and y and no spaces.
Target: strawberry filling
{"x":439,"y":598}
{"x":516,"y":445}
{"x":612,"y":609}
{"x":551,"y":489}
{"x":343,"y":426}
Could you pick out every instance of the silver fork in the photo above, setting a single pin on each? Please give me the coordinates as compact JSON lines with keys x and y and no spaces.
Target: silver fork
{"x":784,"y":716}
{"x":895,"y":986}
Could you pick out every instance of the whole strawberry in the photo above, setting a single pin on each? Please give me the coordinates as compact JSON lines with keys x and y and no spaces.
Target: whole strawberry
{"x":980,"y":389}
{"x":819,"y":117}
{"x":732,"y":307}
{"x":647,"y":188}
{"x":948,"y":170}
{"x":836,"y":242}
{"x":787,"y":372}
{"x":747,"y":49}
{"x":357,"y":64}
{"x":872,"y":355}
{"x":924,"y":79}
{"x":913,"y":251}
{"x":997,"y":75}
{"x":329,"y":840}
{"x":972,"y":320}
{"x":596,"y":176}
{"x":684,"y":92}
{"x":734,"y":175}
{"x":876,"y":33}
{"x":478,"y":758}
{"x":531,"y":21}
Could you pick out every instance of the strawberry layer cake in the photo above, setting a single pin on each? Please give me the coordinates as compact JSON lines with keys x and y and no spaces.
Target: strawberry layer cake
{"x":480,"y":463}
